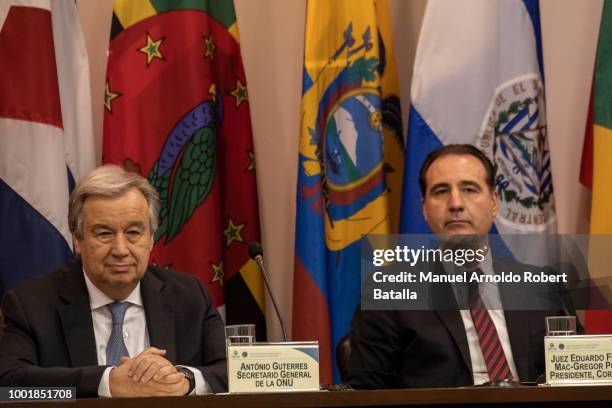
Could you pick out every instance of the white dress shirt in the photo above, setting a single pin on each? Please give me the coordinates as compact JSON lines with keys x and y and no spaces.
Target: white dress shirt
{"x":135,"y":333}
{"x":489,"y":293}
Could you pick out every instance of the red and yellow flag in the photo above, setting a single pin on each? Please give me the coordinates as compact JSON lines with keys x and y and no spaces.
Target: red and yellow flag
{"x":596,"y":165}
{"x":177,"y":112}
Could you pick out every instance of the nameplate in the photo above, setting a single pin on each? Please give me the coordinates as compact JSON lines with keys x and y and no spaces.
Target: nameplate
{"x":575,"y":360}
{"x":271,"y":367}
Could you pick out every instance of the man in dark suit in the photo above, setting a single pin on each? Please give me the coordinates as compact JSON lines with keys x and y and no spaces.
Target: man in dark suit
{"x":449,"y":347}
{"x":109,"y":324}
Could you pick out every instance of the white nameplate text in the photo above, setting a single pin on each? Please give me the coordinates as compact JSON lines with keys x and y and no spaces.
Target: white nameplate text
{"x":269,"y":367}
{"x":575,"y":360}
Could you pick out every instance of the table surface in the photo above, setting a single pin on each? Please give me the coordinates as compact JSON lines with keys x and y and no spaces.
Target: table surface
{"x":571,"y":396}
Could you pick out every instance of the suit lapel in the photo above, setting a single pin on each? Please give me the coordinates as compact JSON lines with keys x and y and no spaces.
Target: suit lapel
{"x":454,"y":324}
{"x":160,"y":314}
{"x":75,"y":318}
{"x":451,"y":317}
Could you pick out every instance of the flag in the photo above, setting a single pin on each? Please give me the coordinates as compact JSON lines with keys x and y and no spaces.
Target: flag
{"x":478,"y":79}
{"x":46,"y":133}
{"x":350,"y":163}
{"x":177,"y":112}
{"x":596,"y":168}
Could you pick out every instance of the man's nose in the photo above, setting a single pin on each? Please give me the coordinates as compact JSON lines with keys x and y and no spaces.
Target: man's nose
{"x":455,"y":200}
{"x":120,"y":247}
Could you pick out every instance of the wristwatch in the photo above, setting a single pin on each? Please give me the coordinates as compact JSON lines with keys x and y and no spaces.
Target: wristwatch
{"x":189,"y":376}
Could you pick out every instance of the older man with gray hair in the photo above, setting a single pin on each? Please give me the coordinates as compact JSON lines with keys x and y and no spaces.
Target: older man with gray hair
{"x":109,"y":324}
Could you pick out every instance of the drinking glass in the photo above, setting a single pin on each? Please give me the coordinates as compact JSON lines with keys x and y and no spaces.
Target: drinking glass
{"x":561,"y":326}
{"x":240,"y":334}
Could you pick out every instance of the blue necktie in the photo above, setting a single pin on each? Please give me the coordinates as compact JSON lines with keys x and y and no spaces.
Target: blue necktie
{"x":115,"y":348}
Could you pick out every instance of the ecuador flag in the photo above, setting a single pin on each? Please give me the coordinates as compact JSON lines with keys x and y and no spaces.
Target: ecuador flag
{"x":350,"y":163}
{"x":177,"y":112}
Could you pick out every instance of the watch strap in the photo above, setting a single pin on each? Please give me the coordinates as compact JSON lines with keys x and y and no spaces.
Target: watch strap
{"x":189,"y":376}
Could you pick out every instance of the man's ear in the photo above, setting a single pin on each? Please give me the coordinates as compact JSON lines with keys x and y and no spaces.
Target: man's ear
{"x":495,"y":199}
{"x":423,"y":208}
{"x":77,"y":244}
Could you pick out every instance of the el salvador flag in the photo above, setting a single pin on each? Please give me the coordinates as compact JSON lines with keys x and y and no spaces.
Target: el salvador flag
{"x":478,"y":79}
{"x":46,"y":134}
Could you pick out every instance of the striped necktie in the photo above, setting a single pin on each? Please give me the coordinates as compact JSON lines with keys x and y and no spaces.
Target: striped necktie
{"x":115,"y":348}
{"x":492,"y":350}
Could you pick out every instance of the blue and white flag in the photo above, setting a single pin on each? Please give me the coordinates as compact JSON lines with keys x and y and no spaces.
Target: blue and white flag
{"x":478,"y":79}
{"x":46,"y":133}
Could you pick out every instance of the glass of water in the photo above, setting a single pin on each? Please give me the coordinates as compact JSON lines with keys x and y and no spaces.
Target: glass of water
{"x":561,"y":326}
{"x":240,"y":334}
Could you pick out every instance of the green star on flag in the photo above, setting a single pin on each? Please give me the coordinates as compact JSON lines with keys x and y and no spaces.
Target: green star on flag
{"x":151,"y":49}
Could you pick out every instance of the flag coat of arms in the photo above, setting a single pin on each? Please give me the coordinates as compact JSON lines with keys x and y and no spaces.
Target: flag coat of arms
{"x":350,"y":162}
{"x":46,"y":134}
{"x":177,"y":112}
{"x":478,"y":79}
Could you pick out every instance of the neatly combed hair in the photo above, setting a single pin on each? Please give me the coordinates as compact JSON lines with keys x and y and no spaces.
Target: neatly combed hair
{"x":457,"y":150}
{"x":109,"y":181}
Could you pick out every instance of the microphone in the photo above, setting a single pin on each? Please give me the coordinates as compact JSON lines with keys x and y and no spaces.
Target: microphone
{"x":256,"y":254}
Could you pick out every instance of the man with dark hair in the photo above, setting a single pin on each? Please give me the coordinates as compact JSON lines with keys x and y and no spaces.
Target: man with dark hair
{"x":458,"y":150}
{"x":451,"y":348}
{"x":109,"y":324}
{"x":457,"y":183}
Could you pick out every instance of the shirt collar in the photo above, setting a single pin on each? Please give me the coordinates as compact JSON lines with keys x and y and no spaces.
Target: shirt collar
{"x":98,"y":299}
{"x":489,"y":291}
